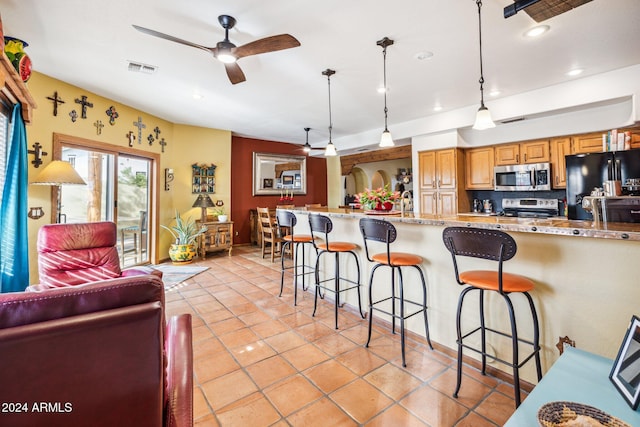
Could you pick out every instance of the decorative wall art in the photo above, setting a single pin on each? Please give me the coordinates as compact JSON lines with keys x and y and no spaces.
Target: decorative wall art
{"x":203,"y":178}
{"x":14,"y":49}
{"x":83,"y":101}
{"x":150,"y":139}
{"x":113,"y":115}
{"x":37,"y":154}
{"x":162,"y":143}
{"x":130,"y":137}
{"x":73,"y":115}
{"x":56,"y":100}
{"x":140,"y":126}
{"x":98,"y":124}
{"x":157,"y":131}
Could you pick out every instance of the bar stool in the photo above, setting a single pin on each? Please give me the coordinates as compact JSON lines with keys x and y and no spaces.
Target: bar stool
{"x":382,"y":231}
{"x":294,"y":242}
{"x":322,"y":224}
{"x":495,"y":246}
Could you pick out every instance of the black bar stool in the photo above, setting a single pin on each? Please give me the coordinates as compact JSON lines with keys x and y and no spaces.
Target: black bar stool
{"x":322,"y":224}
{"x":495,"y":246}
{"x":294,"y":242}
{"x":382,"y":231}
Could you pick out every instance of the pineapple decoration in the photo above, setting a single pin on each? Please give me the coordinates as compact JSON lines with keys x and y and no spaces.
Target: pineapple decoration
{"x":14,"y":49}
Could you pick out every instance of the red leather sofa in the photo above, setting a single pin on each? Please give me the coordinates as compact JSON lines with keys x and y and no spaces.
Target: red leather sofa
{"x":97,"y":354}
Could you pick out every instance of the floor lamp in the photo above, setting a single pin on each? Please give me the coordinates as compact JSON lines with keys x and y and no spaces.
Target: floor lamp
{"x":59,"y":173}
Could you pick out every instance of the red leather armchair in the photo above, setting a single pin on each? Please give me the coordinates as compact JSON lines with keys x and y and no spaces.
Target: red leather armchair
{"x":72,"y":254}
{"x":98,"y":354}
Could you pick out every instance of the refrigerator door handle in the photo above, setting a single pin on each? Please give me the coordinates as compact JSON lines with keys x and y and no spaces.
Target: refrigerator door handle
{"x":609,"y":170}
{"x":618,"y":171}
{"x":533,"y":178}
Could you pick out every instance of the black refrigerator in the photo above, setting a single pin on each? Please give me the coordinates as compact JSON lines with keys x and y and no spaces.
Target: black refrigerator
{"x":588,"y":171}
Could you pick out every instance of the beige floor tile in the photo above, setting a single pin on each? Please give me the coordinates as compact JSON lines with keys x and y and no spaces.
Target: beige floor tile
{"x":253,"y":410}
{"x":292,"y":394}
{"x":421,"y":364}
{"x":248,"y":354}
{"x":396,"y":416}
{"x":471,"y":391}
{"x":225,"y":390}
{"x":271,"y":370}
{"x":393,"y":381}
{"x":305,"y":356}
{"x":213,"y":366}
{"x":238,"y":337}
{"x":322,"y":413}
{"x":360,"y":400}
{"x":269,"y":328}
{"x":497,"y":408}
{"x":285,"y":341}
{"x":475,"y":420}
{"x":360,"y":360}
{"x":433,"y":407}
{"x":330,"y":375}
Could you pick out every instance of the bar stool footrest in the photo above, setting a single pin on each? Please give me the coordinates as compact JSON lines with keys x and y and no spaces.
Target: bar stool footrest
{"x":506,"y":335}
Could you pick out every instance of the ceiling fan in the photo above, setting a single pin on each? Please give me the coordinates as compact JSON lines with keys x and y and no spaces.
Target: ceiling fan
{"x":227,"y":52}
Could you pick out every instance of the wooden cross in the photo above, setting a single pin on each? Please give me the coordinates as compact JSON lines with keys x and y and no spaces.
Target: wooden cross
{"x":140,"y":126}
{"x":56,"y":101}
{"x":157,"y":131}
{"x":83,"y":101}
{"x":98,"y":124}
{"x":150,"y":139}
{"x":73,"y":115}
{"x":37,"y":154}
{"x":131,"y":137}
{"x":113,"y":115}
{"x":162,"y":144}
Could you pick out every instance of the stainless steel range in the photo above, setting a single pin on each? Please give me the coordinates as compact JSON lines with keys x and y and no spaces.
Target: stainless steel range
{"x":532,"y":208}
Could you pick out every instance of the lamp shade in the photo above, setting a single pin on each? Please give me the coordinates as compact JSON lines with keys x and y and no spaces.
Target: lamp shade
{"x":483,"y":119}
{"x":386,"y":140}
{"x":58,"y":172}
{"x":330,"y":150}
{"x":203,"y":201}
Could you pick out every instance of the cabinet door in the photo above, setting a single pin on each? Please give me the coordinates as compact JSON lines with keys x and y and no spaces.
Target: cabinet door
{"x":428,"y":205}
{"x":588,"y":143}
{"x":479,"y":168}
{"x":446,"y":168}
{"x":560,"y":147}
{"x":535,"y":151}
{"x":507,"y":154}
{"x":447,"y":203}
{"x":427,"y":169}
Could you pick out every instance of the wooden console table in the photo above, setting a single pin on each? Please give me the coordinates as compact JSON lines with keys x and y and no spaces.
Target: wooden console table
{"x":218,"y":237}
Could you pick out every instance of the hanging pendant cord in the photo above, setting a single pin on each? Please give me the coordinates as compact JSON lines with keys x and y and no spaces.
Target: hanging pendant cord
{"x":384,"y":82}
{"x":481,"y":81}
{"x":330,"y":121}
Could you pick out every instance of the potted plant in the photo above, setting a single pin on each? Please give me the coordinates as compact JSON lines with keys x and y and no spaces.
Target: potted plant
{"x":184,"y":232}
{"x":379,"y":199}
{"x":220,"y":213}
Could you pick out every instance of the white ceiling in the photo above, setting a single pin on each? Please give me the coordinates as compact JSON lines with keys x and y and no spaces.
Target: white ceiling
{"x":89,"y":44}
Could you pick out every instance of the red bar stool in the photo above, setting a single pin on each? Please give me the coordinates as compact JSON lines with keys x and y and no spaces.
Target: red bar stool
{"x":497,"y":246}
{"x":287,"y":221}
{"x":322,"y":224}
{"x":382,"y":231}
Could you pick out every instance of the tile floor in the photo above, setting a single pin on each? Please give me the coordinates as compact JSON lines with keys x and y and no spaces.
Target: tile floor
{"x":260,"y":361}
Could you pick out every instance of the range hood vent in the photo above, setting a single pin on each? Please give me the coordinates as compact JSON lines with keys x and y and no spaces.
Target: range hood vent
{"x":137,"y":67}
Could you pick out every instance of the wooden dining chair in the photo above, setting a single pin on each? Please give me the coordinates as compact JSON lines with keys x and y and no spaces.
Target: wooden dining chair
{"x":269,"y":230}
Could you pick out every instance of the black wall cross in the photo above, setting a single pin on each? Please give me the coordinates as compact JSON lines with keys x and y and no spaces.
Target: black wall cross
{"x":140,"y":126}
{"x":83,"y":101}
{"x":55,"y":101}
{"x":37,"y":154}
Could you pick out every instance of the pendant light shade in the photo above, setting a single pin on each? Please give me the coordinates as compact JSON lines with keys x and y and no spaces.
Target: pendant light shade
{"x":331,"y":149}
{"x":307,"y":147}
{"x":385,"y":140}
{"x":483,"y":116}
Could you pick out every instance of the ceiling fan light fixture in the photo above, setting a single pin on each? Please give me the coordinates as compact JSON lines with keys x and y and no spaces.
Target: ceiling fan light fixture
{"x":307,"y":148}
{"x":385,"y":139}
{"x":483,"y":116}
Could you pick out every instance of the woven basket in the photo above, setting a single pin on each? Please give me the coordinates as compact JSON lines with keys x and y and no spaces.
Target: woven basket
{"x":558,"y":414}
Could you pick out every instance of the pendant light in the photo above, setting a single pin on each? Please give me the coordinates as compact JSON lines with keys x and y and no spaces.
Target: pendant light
{"x":483,"y":116}
{"x":331,"y":149}
{"x":385,"y":139}
{"x":307,"y":147}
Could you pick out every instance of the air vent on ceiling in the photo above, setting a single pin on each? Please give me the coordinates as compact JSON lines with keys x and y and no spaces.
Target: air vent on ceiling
{"x":138,"y":67}
{"x":516,"y":119}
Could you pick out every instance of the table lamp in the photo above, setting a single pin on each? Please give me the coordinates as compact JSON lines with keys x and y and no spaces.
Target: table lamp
{"x":203,"y":201}
{"x":59,"y":173}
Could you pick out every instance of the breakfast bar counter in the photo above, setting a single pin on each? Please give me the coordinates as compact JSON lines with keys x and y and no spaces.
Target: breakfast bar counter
{"x":587,"y":282}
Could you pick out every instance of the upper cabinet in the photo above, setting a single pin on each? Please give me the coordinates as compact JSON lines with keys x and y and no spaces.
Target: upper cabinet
{"x":441,"y":177}
{"x":560,"y":147}
{"x":13,"y":88}
{"x":479,"y":164}
{"x":524,"y":152}
{"x":587,"y":143}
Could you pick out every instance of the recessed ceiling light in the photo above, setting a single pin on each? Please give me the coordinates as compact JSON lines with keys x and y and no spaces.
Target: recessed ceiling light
{"x":437,"y":108}
{"x":197,"y":95}
{"x":421,"y":56}
{"x":575,"y":72}
{"x":536,"y":31}
{"x":494,"y":93}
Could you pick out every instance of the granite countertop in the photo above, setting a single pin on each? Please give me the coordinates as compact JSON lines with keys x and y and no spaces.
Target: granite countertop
{"x":554,"y":226}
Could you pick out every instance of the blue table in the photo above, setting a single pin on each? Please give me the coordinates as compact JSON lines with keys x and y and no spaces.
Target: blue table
{"x":577,"y":376}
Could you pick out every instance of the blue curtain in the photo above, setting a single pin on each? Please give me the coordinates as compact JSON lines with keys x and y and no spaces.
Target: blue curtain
{"x":14,"y":249}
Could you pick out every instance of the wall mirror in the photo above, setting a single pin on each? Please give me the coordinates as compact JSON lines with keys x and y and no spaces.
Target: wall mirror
{"x":277,"y":173}
{"x":625,"y":374}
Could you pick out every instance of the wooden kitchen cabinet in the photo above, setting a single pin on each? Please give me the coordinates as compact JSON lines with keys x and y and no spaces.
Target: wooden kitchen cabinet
{"x":560,"y":147}
{"x":218,"y":237}
{"x":441,"y":175}
{"x":479,"y":164}
{"x":522,"y":153}
{"x":587,"y":143}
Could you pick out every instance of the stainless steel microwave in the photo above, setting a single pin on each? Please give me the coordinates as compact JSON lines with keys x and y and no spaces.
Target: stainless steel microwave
{"x":531,"y":177}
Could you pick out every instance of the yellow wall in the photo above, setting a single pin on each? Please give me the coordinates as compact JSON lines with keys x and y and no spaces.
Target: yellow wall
{"x":185,"y":145}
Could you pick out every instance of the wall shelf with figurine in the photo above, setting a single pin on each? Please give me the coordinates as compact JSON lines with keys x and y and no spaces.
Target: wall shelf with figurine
{"x":203,"y":178}
{"x":13,"y":87}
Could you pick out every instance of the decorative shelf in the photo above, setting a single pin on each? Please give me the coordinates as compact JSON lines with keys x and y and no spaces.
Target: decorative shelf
{"x":15,"y":89}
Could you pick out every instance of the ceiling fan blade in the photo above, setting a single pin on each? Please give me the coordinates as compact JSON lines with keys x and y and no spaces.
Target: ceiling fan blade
{"x":267,"y":44}
{"x":234,"y":73}
{"x":173,"y":39}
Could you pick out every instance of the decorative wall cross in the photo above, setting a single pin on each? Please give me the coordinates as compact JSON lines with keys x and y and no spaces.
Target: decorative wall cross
{"x":162,"y":143}
{"x":83,"y":101}
{"x":140,"y":126}
{"x":55,"y":101}
{"x":150,"y":139}
{"x":157,"y":131}
{"x":113,"y":115}
{"x":73,"y":115}
{"x":131,"y":137}
{"x":37,"y":154}
{"x":98,"y":124}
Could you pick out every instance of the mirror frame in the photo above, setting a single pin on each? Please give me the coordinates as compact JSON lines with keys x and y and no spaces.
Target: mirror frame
{"x":628,"y":360}
{"x":277,"y":189}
